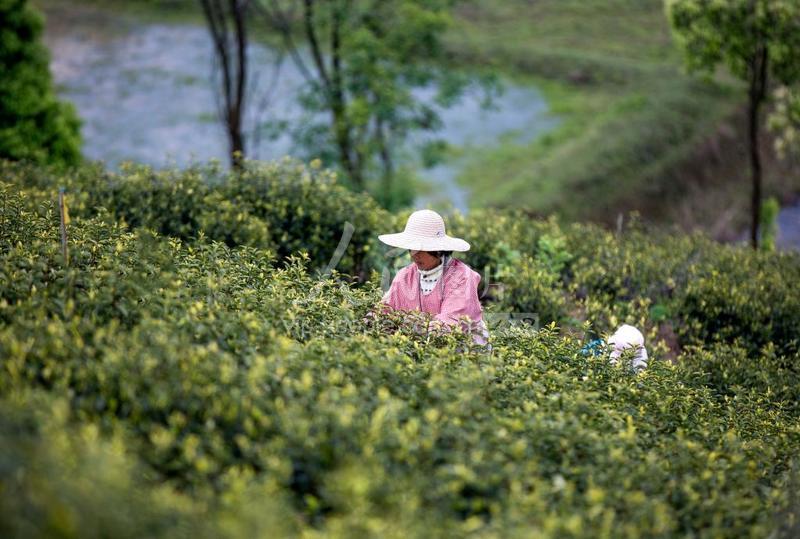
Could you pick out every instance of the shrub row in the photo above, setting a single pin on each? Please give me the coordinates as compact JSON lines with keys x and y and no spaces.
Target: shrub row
{"x":284,"y":206}
{"x":704,"y":292}
{"x":191,"y":378}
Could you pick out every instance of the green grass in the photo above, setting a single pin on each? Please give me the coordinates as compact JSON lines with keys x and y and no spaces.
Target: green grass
{"x":609,"y":153}
{"x":606,"y":31}
{"x":155,"y":11}
{"x":630,"y":114}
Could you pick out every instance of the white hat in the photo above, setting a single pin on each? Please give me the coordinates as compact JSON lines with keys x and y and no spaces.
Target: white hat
{"x":424,"y":232}
{"x":628,"y":337}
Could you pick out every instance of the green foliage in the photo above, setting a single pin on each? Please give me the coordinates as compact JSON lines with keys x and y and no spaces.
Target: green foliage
{"x":770,"y":209}
{"x":186,"y":381}
{"x":784,"y":121}
{"x":732,"y":371}
{"x":705,"y":292}
{"x":742,"y":299}
{"x":34,"y":125}
{"x":563,"y":274}
{"x":368,"y":64}
{"x":735,"y":32}
{"x":285,"y":207}
{"x":60,"y":480}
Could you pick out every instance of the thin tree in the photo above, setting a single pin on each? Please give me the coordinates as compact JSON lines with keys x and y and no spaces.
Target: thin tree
{"x":323,"y":74}
{"x":226,"y":23}
{"x":361,"y":60}
{"x":759,"y":41}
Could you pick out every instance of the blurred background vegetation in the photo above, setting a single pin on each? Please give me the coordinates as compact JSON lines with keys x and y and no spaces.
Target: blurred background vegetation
{"x":591,"y":112}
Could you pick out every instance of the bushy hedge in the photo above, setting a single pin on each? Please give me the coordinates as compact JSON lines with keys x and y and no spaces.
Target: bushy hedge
{"x":701,"y":291}
{"x":705,"y":292}
{"x":285,"y":206}
{"x":177,"y":379}
{"x":65,"y":480}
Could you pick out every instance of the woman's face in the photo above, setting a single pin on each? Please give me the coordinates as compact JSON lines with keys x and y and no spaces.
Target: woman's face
{"x":424,"y":260}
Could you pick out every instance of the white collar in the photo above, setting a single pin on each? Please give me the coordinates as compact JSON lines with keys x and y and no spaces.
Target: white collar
{"x":432,"y":271}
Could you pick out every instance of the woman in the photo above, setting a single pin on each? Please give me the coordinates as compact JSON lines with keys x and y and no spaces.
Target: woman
{"x":625,"y":338}
{"x":435,"y":283}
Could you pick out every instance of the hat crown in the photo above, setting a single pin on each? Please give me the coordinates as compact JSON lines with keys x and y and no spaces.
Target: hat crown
{"x":425,"y":231}
{"x":425,"y":224}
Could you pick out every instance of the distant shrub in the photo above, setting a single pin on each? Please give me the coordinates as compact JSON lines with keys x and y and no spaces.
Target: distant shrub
{"x":34,"y":125}
{"x":742,"y":297}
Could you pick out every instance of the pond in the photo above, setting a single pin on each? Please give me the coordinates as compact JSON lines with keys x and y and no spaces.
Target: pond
{"x":144,"y":91}
{"x":789,"y":227}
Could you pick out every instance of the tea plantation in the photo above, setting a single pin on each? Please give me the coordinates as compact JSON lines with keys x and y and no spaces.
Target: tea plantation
{"x":191,"y":373}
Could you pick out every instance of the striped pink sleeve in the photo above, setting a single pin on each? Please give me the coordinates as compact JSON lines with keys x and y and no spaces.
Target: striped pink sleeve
{"x":461,"y":298}
{"x":400,"y":296}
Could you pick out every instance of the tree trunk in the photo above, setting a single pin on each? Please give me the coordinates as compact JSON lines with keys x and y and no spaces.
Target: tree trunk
{"x":756,"y":94}
{"x":237,"y":107}
{"x":755,"y":170}
{"x":333,"y":87}
{"x":341,"y":123}
{"x":236,"y":145}
{"x":233,"y":67}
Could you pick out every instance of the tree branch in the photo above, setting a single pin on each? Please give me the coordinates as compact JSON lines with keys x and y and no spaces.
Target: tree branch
{"x":277,"y":17}
{"x":311,"y":33}
{"x":219,"y":34}
{"x":239,"y":7}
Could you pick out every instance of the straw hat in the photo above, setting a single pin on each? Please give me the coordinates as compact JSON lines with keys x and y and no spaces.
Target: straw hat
{"x":424,"y":232}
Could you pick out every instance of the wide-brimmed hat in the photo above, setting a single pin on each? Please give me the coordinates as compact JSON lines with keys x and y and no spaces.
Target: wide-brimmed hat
{"x":424,"y":232}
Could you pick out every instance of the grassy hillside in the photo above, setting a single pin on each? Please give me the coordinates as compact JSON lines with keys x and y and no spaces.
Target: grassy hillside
{"x":632,"y":118}
{"x":192,"y":375}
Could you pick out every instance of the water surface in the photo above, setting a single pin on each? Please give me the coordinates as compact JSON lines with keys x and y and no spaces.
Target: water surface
{"x":145,"y":92}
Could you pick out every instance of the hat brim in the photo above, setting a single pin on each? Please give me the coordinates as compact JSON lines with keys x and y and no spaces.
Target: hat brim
{"x":415,"y":243}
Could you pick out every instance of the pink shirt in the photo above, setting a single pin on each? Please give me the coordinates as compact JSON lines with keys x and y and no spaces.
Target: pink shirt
{"x":454,"y":296}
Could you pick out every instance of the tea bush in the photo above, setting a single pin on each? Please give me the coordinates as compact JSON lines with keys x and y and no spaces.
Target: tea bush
{"x":177,"y":378}
{"x":283,"y":206}
{"x":67,"y":481}
{"x":563,"y":273}
{"x":708,"y":292}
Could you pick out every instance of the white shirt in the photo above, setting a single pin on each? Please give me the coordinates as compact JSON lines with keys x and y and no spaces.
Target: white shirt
{"x":429,"y":278}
